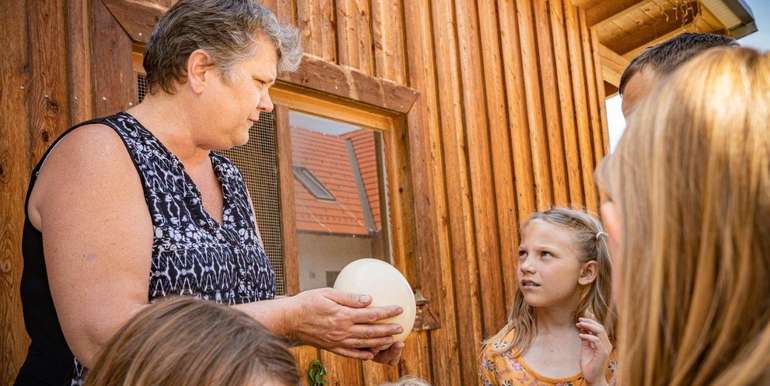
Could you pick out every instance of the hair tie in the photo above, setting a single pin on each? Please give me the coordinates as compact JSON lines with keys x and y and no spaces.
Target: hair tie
{"x":600,"y":234}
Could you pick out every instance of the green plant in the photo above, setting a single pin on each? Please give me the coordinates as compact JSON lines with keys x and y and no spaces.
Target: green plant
{"x":316,"y":372}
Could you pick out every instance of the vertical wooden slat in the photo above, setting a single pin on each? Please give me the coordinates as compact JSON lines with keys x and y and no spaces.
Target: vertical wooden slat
{"x":566,"y":102}
{"x":49,"y":93}
{"x":501,"y":152}
{"x":416,"y":358}
{"x":458,"y":188}
{"x":484,"y":208}
{"x":388,"y":39}
{"x":600,"y":95}
{"x":434,"y":245}
{"x":537,"y":130}
{"x":326,"y":14}
{"x":14,"y":174}
{"x":354,"y":38}
{"x":286,"y":10}
{"x":304,"y":355}
{"x":113,"y":74}
{"x":577,"y":69}
{"x":551,"y":102}
{"x":517,"y":109}
{"x":375,"y":374}
{"x":271,"y":4}
{"x":309,"y":25}
{"x":593,"y":98}
{"x":343,"y":371}
{"x":79,"y":40}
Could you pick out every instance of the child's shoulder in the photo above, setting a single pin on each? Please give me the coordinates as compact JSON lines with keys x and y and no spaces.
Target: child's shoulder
{"x":496,"y":346}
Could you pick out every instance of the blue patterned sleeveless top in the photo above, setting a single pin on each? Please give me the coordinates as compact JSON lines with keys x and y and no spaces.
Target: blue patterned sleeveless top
{"x":192,"y":254}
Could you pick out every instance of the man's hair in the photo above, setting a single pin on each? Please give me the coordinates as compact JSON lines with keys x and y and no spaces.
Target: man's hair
{"x":225,"y":29}
{"x":666,"y":57}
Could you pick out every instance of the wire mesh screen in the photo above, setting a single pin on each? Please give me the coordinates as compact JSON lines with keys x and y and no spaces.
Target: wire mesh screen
{"x":258,"y":162}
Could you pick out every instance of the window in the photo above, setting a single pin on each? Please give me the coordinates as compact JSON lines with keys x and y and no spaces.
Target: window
{"x":339,"y":196}
{"x":312,"y":184}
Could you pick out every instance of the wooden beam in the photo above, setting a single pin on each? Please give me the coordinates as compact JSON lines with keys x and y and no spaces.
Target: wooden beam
{"x":349,"y":83}
{"x":613,"y":65}
{"x":136,"y":17}
{"x":605,"y":10}
{"x":630,"y":32}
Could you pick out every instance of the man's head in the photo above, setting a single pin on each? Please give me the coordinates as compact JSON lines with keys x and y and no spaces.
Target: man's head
{"x":662,"y":59}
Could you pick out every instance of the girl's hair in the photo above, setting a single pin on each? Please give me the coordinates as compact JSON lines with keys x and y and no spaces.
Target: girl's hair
{"x":591,"y":241}
{"x":187,"y":341}
{"x":691,"y":179}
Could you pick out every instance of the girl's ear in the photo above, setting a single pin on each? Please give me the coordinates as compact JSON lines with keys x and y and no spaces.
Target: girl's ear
{"x":588,"y":273}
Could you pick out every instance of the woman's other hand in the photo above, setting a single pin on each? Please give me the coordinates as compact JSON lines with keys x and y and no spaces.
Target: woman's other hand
{"x":343,"y":323}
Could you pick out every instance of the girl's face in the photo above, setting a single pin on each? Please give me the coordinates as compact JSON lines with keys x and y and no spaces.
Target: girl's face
{"x":550,"y":269}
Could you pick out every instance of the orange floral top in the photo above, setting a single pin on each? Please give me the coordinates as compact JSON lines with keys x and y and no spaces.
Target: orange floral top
{"x":510,"y":369}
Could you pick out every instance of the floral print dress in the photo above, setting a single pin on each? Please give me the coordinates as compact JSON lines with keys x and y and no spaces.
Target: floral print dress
{"x":510,"y":369}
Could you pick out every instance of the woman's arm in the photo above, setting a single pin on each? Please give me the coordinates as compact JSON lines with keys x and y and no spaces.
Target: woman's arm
{"x":97,"y":236}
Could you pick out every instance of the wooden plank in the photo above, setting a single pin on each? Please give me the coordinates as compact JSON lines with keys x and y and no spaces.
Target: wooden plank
{"x":388,"y":40}
{"x":14,"y":174}
{"x":325,"y":14}
{"x":287,"y":11}
{"x":310,"y":26}
{"x":494,"y":84}
{"x":49,"y":93}
{"x":288,"y":216}
{"x":136,"y":18}
{"x":559,"y":184}
{"x":517,"y":110}
{"x":113,"y":76}
{"x":79,"y":60}
{"x":533,"y":96}
{"x":431,"y":207}
{"x":641,"y":31}
{"x":582,"y":114}
{"x":354,"y":38}
{"x":416,"y":359}
{"x":376,"y":374}
{"x":566,"y":103}
{"x":601,"y":100}
{"x":484,"y":208}
{"x":304,"y":355}
{"x":605,"y":10}
{"x":458,"y":189}
{"x":611,"y":63}
{"x":318,"y":75}
{"x":593,"y":98}
{"x":342,"y":371}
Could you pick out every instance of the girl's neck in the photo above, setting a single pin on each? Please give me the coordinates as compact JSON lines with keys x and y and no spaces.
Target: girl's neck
{"x":555,"y":319}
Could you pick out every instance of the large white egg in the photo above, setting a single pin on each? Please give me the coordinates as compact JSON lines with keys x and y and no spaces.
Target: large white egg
{"x":387,"y":287}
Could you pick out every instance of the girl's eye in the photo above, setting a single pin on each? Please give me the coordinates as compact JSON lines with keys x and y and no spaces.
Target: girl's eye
{"x":547,"y":254}
{"x":522,"y":253}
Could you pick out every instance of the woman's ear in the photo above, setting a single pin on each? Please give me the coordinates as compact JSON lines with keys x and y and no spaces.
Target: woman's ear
{"x":588,"y":273}
{"x":612,"y":224}
{"x":198,"y":64}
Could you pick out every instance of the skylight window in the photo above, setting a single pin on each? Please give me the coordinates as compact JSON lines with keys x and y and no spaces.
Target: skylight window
{"x":311,"y":183}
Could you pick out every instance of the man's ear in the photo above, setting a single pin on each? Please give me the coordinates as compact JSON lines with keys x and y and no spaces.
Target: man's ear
{"x":198,"y":65}
{"x":588,"y":273}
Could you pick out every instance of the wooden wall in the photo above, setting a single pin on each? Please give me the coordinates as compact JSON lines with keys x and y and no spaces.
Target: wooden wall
{"x":510,"y":119}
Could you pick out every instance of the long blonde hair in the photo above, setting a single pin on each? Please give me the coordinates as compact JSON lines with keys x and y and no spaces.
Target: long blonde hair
{"x":591,"y":241}
{"x":691,"y":177}
{"x":187,"y":341}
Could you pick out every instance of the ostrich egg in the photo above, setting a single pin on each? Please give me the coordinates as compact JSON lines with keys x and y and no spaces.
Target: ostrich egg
{"x":387,"y":287}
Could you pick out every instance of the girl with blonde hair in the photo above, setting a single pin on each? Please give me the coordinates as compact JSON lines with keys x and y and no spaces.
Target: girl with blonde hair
{"x":191,"y":342}
{"x":687,"y":207}
{"x":560,"y":329}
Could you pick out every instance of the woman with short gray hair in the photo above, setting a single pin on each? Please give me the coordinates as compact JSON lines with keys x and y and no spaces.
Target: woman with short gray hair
{"x":136,"y":206}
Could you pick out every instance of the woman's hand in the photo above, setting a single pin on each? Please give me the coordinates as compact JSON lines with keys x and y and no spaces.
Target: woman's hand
{"x":342,"y":323}
{"x":595,"y":351}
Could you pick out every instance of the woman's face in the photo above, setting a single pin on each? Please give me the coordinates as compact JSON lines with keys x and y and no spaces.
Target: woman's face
{"x":550,"y":269}
{"x":233,"y":102}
